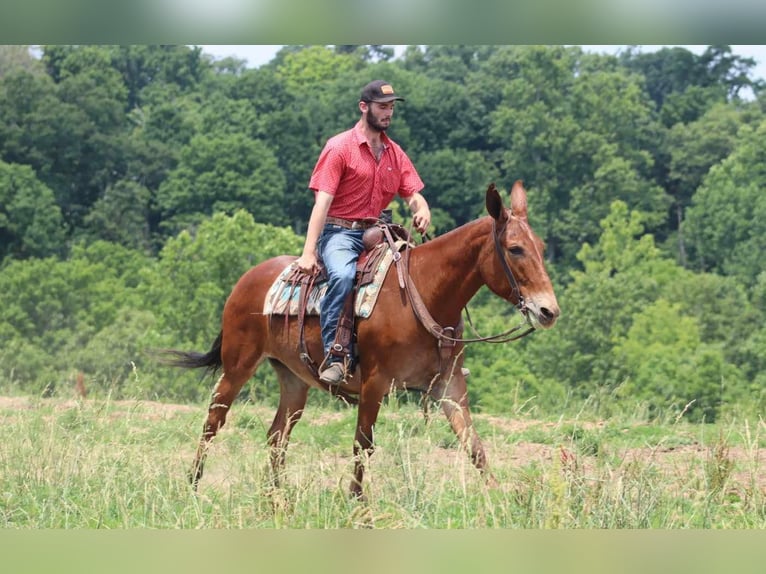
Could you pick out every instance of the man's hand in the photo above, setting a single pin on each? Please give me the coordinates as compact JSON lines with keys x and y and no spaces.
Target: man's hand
{"x":422,"y":220}
{"x":421,"y":214}
{"x":308,"y":263}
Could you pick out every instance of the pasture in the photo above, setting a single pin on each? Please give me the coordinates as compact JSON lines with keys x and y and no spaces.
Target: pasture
{"x":97,"y":463}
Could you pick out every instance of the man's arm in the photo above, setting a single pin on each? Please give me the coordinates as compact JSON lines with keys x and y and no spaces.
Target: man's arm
{"x":421,"y":214}
{"x":309,"y":259}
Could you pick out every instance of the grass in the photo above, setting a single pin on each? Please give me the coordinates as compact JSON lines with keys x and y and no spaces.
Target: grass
{"x":92,"y":464}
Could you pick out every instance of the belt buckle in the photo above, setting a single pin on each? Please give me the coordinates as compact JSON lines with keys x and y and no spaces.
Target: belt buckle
{"x":356,"y":225}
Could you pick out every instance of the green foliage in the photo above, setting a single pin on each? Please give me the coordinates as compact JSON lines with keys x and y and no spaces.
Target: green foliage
{"x":456,"y":180}
{"x":222,"y":175}
{"x":121,"y":216}
{"x":666,"y":366}
{"x":30,"y":221}
{"x":16,"y":57}
{"x":623,"y":273}
{"x":725,"y":223}
{"x":673,"y":73}
{"x":54,"y":308}
{"x":697,"y":146}
{"x":197,"y":270}
{"x":580,"y":138}
{"x":311,"y":67}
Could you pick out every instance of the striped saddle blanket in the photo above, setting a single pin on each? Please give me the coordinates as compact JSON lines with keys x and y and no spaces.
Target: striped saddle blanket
{"x":283,"y":297}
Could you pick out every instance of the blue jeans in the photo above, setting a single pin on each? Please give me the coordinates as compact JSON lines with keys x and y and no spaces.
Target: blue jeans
{"x":339,"y":250}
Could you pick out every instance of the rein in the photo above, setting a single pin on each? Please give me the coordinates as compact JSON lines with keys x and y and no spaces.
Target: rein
{"x":425,"y":317}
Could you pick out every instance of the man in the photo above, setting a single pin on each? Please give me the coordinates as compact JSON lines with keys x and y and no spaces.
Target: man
{"x":358,"y":173}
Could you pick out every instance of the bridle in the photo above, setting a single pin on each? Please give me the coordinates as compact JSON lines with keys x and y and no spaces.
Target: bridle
{"x":441,"y":333}
{"x":520,"y":303}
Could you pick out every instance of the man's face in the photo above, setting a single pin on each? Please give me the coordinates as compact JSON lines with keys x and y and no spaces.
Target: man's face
{"x":379,"y":115}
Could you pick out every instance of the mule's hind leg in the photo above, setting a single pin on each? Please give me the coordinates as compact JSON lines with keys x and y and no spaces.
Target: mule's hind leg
{"x":293,"y":393}
{"x":225,"y":391}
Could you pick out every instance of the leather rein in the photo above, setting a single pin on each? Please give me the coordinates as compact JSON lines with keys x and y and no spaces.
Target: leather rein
{"x":452,"y":335}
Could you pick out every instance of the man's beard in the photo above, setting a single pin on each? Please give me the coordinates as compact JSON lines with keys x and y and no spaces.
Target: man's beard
{"x":373,"y":122}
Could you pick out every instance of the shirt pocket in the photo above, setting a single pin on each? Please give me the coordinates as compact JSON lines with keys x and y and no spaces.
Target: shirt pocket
{"x":391,"y":179}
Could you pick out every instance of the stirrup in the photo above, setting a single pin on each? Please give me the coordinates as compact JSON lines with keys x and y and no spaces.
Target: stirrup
{"x":333,"y":374}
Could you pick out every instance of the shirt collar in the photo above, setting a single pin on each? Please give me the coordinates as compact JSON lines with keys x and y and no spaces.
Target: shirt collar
{"x":362,"y":139}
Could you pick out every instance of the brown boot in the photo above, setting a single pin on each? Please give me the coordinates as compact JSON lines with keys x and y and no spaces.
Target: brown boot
{"x":333,"y":374}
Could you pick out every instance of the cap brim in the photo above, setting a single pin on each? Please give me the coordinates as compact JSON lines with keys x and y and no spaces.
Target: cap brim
{"x":388,"y":99}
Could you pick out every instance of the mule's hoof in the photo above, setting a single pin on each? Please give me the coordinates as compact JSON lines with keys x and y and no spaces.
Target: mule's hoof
{"x":466,"y":372}
{"x":193,"y":480}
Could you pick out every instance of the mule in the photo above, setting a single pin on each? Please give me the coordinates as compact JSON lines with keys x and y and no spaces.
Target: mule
{"x":411,"y":341}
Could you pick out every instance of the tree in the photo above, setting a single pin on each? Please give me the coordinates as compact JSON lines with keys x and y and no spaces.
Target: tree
{"x":30,"y":221}
{"x":368,"y":52}
{"x":222,"y":174}
{"x":579,"y":136}
{"x":455,"y":184}
{"x":53,"y":308}
{"x":18,"y":57}
{"x":696,"y":147}
{"x":69,"y":130}
{"x":305,"y":71}
{"x":121,"y":216}
{"x":623,"y":273}
{"x":614,"y":179}
{"x":669,"y":369}
{"x":689,"y":84}
{"x":197,"y":270}
{"x":449,"y":63}
{"x":141,"y":67}
{"x":31,"y":118}
{"x":726,"y":222}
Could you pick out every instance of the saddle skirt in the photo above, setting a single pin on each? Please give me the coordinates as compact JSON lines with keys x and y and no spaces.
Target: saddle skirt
{"x":283,"y":297}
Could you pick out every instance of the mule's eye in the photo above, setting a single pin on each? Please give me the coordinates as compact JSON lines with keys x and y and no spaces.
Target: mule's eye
{"x":516,"y":250}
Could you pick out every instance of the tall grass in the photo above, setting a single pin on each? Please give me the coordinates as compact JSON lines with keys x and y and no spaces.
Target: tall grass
{"x":106,"y":464}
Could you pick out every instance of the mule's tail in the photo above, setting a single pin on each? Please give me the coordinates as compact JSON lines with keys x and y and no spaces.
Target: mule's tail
{"x":211,"y":361}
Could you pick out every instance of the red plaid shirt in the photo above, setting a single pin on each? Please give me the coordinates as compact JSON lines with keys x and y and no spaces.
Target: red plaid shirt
{"x":362,"y":187}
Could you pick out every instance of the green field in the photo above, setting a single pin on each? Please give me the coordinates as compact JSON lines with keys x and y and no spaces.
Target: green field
{"x":89,"y":464}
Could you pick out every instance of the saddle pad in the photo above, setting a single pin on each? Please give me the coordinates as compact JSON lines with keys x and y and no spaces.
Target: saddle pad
{"x":283,"y":297}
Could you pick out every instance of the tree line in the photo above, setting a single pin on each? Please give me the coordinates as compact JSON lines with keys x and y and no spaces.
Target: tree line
{"x":138,"y":182}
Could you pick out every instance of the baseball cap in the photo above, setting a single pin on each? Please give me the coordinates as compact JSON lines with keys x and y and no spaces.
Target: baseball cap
{"x":379,"y":91}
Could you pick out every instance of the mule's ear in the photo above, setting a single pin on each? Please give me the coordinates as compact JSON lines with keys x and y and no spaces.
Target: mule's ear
{"x":519,"y":200}
{"x":494,"y":202}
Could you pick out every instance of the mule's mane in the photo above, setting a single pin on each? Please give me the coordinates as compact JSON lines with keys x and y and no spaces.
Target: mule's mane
{"x":470,"y":229}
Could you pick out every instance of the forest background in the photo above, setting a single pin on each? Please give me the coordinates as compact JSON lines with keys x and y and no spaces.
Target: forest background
{"x":137,"y":183}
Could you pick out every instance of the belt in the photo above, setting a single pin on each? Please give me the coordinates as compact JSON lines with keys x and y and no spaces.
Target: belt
{"x":350,"y":223}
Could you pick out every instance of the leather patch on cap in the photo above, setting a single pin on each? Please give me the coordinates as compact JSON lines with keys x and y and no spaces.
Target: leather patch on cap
{"x":386,"y":89}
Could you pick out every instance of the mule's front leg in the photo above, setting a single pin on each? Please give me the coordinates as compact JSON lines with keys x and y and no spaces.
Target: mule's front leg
{"x":453,"y":396}
{"x":370,"y":400}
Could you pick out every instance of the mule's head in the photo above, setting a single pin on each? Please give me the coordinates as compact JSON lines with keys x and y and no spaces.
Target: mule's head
{"x":516,"y":271}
